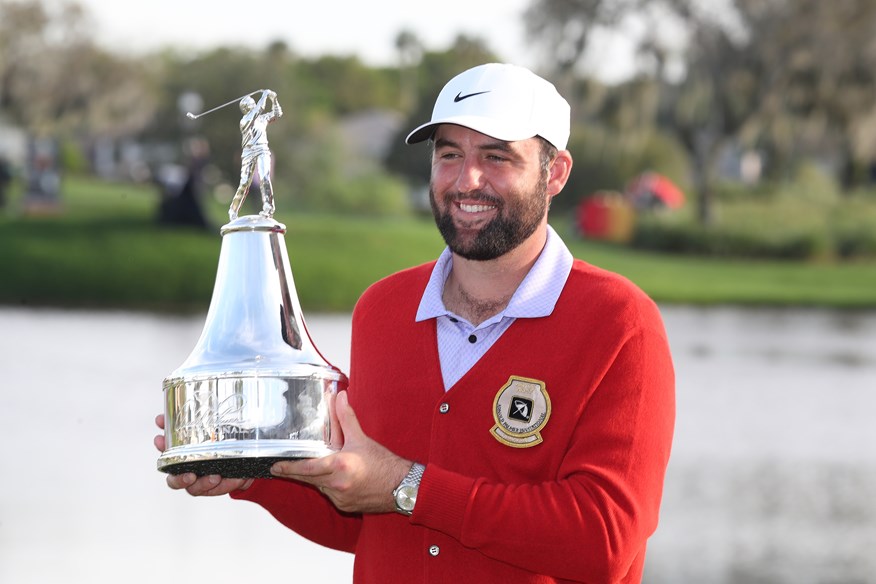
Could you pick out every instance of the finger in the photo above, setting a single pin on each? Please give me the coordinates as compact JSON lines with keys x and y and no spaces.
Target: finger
{"x":347,"y":418}
{"x":194,"y":484}
{"x":220,"y":486}
{"x":159,"y":442}
{"x":336,"y":433}
{"x":310,"y":471}
{"x":209,"y":485}
{"x":159,"y":421}
{"x":212,"y":486}
{"x":181,"y":481}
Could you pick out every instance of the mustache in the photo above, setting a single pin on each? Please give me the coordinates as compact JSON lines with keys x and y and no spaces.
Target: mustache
{"x":475,"y":196}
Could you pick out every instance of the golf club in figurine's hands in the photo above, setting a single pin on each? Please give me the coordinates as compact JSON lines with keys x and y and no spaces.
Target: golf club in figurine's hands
{"x":255,"y":389}
{"x":192,"y":116}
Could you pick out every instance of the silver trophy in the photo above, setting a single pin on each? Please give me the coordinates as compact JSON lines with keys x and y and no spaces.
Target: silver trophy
{"x":255,"y":389}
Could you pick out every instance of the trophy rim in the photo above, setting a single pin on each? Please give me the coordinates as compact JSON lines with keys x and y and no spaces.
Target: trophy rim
{"x":207,"y":372}
{"x":259,"y":223}
{"x":242,"y":449}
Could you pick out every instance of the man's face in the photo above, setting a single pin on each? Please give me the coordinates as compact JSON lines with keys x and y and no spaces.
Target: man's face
{"x":487,"y":195}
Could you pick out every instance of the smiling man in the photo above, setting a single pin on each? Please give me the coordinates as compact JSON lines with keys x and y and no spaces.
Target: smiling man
{"x":511,"y":408}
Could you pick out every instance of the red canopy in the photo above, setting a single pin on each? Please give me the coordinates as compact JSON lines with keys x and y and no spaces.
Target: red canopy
{"x":652,"y":187}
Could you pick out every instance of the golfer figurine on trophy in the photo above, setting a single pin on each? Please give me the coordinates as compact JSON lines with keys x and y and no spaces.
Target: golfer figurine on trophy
{"x":256,"y":156}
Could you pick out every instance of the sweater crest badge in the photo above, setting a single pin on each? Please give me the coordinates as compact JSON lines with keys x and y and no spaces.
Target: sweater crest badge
{"x":521,"y":409}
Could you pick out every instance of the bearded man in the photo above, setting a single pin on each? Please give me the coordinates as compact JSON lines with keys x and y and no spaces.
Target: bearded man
{"x":510,"y":409}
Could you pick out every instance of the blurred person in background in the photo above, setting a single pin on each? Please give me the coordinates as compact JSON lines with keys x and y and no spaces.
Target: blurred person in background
{"x":5,"y":180}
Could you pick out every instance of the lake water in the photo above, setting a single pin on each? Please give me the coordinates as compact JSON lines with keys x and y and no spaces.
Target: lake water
{"x":772,"y":478}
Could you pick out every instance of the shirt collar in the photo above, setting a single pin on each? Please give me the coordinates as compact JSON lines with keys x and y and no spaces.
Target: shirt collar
{"x":535,"y":297}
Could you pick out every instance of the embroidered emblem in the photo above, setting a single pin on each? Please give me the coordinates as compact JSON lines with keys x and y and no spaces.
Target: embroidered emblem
{"x":521,"y":409}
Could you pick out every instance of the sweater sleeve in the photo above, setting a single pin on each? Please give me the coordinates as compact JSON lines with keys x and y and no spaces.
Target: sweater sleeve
{"x":306,"y":511}
{"x":591,"y":522}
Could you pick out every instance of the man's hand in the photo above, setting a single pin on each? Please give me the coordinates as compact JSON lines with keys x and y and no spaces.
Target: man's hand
{"x":360,"y":478}
{"x":209,"y":486}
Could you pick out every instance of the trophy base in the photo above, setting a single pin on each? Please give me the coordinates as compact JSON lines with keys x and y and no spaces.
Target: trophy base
{"x":245,"y":459}
{"x":229,"y":468}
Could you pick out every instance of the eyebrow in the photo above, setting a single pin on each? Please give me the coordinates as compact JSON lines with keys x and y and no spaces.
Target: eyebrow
{"x":500,"y":145}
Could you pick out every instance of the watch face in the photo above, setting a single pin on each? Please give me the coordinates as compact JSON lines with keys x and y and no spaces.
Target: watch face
{"x":406,"y":498}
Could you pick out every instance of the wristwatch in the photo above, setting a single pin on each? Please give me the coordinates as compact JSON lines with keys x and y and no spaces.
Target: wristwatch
{"x":405,"y":494}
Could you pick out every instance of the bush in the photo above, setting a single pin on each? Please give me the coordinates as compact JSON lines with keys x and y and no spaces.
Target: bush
{"x":856,"y":244}
{"x":602,"y":162}
{"x":853,"y":227}
{"x":323,"y":173}
{"x":372,"y":193}
{"x":788,"y":222}
{"x":72,"y":158}
{"x":729,"y":241}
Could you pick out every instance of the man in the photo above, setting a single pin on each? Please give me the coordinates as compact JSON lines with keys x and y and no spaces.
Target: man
{"x":510,"y":409}
{"x":256,"y":155}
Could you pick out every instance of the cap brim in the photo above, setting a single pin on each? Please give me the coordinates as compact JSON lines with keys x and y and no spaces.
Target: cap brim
{"x":486,"y":126}
{"x":421,"y":134}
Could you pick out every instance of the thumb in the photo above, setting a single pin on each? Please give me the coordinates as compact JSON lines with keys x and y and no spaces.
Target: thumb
{"x":348,"y":420}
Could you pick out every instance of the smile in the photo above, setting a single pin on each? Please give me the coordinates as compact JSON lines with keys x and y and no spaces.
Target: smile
{"x":475,"y":208}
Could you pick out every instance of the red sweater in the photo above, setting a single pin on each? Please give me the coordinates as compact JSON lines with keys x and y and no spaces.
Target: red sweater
{"x":576,"y":501}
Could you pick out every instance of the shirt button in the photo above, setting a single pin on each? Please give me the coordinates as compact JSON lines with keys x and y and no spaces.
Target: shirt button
{"x":453,"y":319}
{"x":434,"y":550}
{"x":445,"y":407}
{"x":472,"y":339}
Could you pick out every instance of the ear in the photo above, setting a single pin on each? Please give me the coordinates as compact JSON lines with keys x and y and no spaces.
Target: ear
{"x":560,"y":169}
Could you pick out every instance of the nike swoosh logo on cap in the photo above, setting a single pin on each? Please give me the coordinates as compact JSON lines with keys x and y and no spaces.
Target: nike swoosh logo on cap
{"x":459,"y":96}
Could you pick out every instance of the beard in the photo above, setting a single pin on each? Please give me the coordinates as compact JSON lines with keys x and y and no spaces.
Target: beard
{"x":516,"y":219}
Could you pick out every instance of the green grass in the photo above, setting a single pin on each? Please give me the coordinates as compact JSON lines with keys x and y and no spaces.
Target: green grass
{"x":681,"y":279}
{"x":106,"y":250}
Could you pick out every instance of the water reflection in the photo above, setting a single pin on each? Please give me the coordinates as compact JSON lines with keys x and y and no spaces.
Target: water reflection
{"x":771,"y":478}
{"x":774,"y":465}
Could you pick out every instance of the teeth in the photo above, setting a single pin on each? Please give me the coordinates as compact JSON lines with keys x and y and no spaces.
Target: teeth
{"x":474,"y":208}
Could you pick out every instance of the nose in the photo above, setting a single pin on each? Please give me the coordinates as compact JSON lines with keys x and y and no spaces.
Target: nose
{"x":471,"y":176}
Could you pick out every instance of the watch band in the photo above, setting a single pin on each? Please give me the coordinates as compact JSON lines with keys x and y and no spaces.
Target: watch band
{"x":405,"y":494}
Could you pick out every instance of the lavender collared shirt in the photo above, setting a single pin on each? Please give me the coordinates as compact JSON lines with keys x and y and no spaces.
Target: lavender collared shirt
{"x":461,"y":344}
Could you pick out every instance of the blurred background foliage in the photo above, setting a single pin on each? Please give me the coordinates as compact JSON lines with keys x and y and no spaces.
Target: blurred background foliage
{"x":763,"y":112}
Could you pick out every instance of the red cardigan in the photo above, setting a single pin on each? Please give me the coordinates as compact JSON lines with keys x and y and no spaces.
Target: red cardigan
{"x":575,"y":502}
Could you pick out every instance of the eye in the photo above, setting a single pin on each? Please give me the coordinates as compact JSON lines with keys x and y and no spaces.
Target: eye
{"x":497,"y":158}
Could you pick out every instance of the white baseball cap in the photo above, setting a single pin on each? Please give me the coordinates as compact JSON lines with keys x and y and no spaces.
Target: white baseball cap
{"x":507,"y":102}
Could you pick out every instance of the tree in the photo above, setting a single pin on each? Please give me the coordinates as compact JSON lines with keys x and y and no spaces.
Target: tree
{"x":55,"y":82}
{"x":565,"y":28}
{"x":821,"y":63}
{"x":717,"y":97}
{"x":410,"y":51}
{"x":694,"y":110}
{"x":792,"y":78}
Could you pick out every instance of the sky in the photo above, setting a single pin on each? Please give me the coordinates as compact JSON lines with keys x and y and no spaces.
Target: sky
{"x":367,"y":29}
{"x":314,"y":28}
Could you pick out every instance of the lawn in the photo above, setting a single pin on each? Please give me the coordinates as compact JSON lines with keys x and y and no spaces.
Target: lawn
{"x":105,"y":249}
